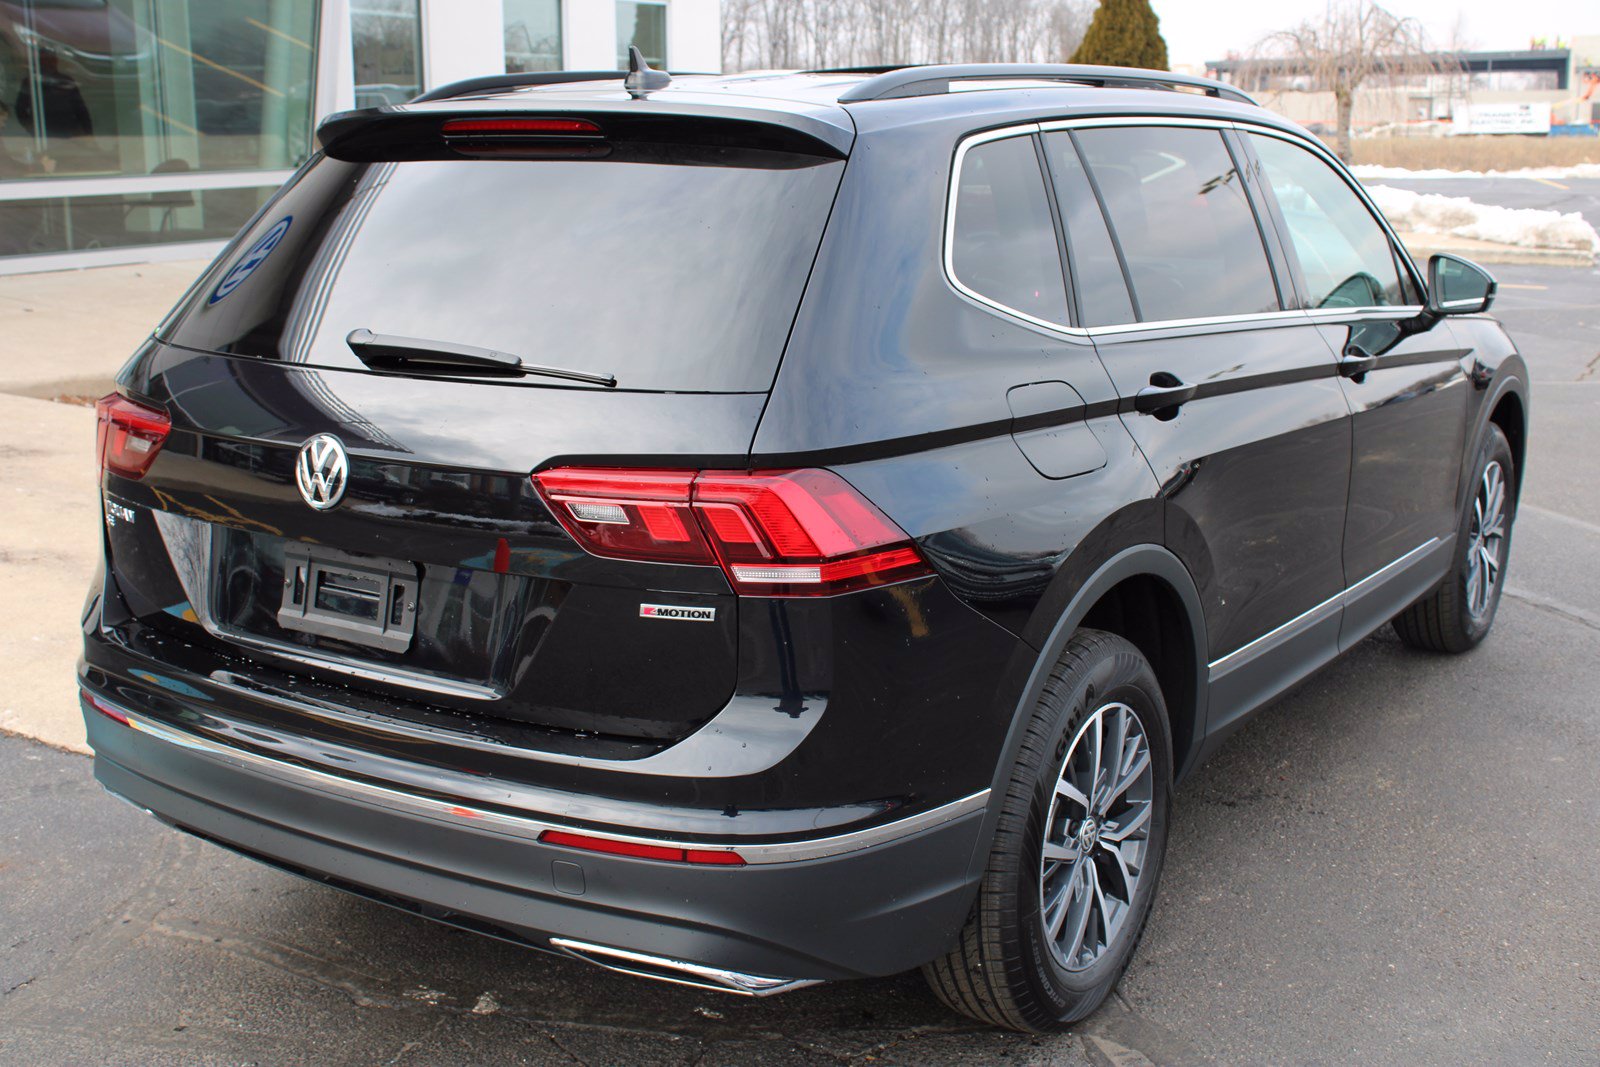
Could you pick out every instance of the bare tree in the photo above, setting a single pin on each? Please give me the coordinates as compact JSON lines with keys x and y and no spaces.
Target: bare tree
{"x":1351,"y":45}
{"x":829,"y":33}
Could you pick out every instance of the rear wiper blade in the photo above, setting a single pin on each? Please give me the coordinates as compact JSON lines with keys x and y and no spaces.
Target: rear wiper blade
{"x":417,"y":356}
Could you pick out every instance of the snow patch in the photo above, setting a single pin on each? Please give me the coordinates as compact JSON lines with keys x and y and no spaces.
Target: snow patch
{"x":1458,"y":216}
{"x":1366,"y":171}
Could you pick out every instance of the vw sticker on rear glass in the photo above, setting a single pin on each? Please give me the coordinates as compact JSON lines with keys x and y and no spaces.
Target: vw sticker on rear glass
{"x":677,"y":614}
{"x":252,"y":259}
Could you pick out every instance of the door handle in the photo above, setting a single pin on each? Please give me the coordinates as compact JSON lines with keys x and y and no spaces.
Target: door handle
{"x":1355,"y":363}
{"x":1164,"y":395}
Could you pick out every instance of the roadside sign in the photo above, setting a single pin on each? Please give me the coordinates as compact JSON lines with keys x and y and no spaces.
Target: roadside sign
{"x":1502,"y":118}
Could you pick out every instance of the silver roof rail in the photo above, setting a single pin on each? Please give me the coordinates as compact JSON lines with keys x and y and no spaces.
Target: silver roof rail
{"x":935,"y":80}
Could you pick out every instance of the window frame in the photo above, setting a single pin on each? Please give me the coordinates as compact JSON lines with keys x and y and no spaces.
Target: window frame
{"x":1271,"y":237}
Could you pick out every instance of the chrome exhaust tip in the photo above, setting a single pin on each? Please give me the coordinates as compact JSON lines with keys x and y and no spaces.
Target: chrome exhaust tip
{"x":678,"y":972}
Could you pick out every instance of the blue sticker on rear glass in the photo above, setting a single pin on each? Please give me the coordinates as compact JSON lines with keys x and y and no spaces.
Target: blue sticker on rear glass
{"x":252,"y":259}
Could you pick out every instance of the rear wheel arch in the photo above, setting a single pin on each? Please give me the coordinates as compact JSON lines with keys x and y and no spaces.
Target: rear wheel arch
{"x":1127,"y":580}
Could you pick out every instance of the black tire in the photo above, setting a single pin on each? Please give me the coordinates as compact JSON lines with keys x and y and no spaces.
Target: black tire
{"x":1447,"y":619}
{"x":1005,"y":970}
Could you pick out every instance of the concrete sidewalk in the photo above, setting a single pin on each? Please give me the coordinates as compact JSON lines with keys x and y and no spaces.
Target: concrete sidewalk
{"x":68,"y":332}
{"x":63,"y":334}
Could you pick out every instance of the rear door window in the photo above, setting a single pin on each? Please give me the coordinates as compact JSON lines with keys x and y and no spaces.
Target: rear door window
{"x":1097,"y":278}
{"x":670,"y":268}
{"x":1178,"y":209}
{"x":1345,"y":256}
{"x":1003,"y":244}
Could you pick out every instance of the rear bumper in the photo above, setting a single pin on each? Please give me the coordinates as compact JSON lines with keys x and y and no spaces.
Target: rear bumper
{"x":821,"y":908}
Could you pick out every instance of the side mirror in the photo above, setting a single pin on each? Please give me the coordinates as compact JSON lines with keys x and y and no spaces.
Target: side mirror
{"x":1458,"y":286}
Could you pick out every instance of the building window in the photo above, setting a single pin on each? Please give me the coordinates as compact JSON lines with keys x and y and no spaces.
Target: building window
{"x":642,"y":23}
{"x":532,"y":35}
{"x":387,"y":41}
{"x":95,"y":89}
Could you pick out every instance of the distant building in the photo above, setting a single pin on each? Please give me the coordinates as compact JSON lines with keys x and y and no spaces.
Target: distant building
{"x":1562,"y":78}
{"x":131,"y":132}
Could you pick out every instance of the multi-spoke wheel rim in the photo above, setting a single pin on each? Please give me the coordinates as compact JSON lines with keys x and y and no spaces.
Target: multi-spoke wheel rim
{"x":1097,"y":836}
{"x":1486,"y":541}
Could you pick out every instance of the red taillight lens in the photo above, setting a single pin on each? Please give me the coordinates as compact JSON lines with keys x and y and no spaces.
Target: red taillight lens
{"x":774,"y":533}
{"x":128,"y":435}
{"x":671,"y":854}
{"x":502,"y":127}
{"x":627,"y":514}
{"x":800,"y":533}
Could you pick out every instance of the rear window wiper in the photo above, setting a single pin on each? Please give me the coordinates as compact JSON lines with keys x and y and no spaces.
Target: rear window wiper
{"x":414,"y":355}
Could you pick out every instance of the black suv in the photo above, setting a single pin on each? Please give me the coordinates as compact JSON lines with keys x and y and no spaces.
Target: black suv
{"x":756,"y":530}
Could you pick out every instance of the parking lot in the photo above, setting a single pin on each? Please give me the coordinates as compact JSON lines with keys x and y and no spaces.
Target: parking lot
{"x":1395,"y":864}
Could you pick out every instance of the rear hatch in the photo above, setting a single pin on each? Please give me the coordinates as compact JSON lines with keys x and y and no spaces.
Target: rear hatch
{"x":380,"y":299}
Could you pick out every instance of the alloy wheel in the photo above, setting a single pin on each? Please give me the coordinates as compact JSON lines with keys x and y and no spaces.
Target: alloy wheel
{"x":1486,"y":540}
{"x":1096,"y":837}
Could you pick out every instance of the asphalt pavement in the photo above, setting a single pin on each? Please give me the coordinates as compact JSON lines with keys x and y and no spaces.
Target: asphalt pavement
{"x":1395,"y":864}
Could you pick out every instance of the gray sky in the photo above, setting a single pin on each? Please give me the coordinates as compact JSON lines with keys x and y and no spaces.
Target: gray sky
{"x":1197,"y":31}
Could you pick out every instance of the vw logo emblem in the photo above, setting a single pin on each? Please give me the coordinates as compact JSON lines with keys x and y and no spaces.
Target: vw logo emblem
{"x":321,"y":470}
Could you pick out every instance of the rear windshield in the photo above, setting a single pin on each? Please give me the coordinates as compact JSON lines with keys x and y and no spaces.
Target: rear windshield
{"x":667,"y":274}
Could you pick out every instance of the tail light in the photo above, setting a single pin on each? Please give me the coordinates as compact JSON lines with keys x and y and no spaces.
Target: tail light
{"x":128,"y":435}
{"x":774,"y":533}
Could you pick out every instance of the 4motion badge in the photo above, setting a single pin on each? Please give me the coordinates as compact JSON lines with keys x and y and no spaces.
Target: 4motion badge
{"x":677,"y":614}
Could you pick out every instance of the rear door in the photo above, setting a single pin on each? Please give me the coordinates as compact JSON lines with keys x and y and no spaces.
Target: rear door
{"x":1404,"y":376}
{"x":438,"y":577}
{"x":1229,"y":393}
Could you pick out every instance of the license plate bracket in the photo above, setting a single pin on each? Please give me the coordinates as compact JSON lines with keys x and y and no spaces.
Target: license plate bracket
{"x":359,"y":599}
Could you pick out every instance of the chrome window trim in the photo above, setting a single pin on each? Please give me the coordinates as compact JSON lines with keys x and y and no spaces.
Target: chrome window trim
{"x":1387,"y":311}
{"x":1258,"y":318}
{"x":454,"y":812}
{"x":966,"y":145}
{"x":1238,"y":125}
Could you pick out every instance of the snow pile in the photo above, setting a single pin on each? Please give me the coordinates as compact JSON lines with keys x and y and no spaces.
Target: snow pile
{"x":1368,"y":171}
{"x":1412,"y":212}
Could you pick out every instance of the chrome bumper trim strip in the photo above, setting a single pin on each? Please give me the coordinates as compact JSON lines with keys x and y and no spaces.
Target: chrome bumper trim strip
{"x":529,"y":827}
{"x":678,"y":972}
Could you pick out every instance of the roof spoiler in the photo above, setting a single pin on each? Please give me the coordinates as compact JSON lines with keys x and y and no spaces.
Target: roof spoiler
{"x":596,"y":128}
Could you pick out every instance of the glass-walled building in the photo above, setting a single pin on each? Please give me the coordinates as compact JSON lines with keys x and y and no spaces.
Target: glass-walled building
{"x":140,"y":129}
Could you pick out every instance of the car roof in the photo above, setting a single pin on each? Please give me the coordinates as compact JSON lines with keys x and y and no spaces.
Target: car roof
{"x":835,"y":106}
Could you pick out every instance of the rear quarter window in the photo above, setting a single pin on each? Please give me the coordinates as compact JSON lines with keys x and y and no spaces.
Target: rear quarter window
{"x":1003,"y":242}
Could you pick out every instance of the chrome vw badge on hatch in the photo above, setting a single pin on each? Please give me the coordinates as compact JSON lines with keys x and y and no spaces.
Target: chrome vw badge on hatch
{"x":321,"y":471}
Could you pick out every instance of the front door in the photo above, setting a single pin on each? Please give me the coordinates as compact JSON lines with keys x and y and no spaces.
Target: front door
{"x":1403,"y":374}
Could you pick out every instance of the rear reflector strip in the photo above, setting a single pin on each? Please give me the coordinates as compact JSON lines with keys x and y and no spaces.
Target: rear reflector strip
{"x":110,"y":711}
{"x":641,"y":850}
